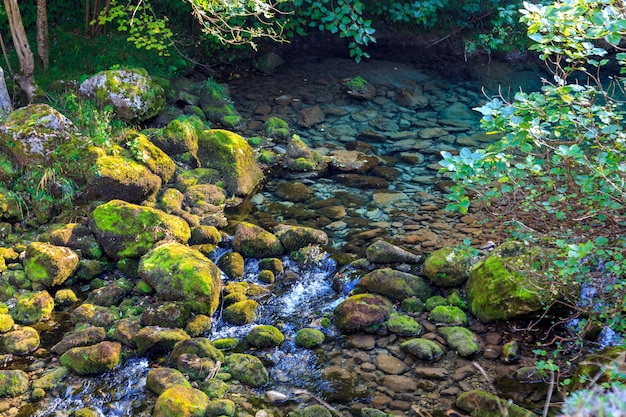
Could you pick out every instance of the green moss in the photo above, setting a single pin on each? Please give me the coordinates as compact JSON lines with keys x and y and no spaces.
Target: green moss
{"x":448,"y":315}
{"x":403,"y":325}
{"x":424,"y":349}
{"x":276,"y":127}
{"x":357,"y":84}
{"x":242,"y":312}
{"x":247,"y":368}
{"x":6,"y":322}
{"x":226,"y":343}
{"x":309,"y":338}
{"x":13,"y":383}
{"x":265,"y":336}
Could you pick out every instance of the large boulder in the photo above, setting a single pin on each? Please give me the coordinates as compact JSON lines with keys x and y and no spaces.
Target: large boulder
{"x":179,"y":137}
{"x":13,"y":383}
{"x":296,"y":237}
{"x":154,"y":339}
{"x":181,"y":401}
{"x":152,"y":156}
{"x":160,"y":379}
{"x":230,"y":154}
{"x":126,"y":230}
{"x":247,"y":369}
{"x":93,"y":360}
{"x":21,"y":341}
{"x":135,"y":97}
{"x":77,"y":237}
{"x":447,"y":267}
{"x":253,"y":241}
{"x":180,"y":273}
{"x":32,"y":308}
{"x":381,"y":252}
{"x":362,"y":312}
{"x":49,"y":265}
{"x":394,"y":284}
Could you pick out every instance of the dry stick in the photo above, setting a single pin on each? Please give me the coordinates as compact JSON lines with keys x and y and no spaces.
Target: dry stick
{"x":549,"y":396}
{"x":325,"y":404}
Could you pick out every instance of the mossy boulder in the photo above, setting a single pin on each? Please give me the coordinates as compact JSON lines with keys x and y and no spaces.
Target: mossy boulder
{"x":49,"y":265}
{"x":247,"y":369}
{"x":232,"y":264}
{"x":314,"y":410}
{"x":300,"y":159}
{"x":109,"y":295}
{"x":265,"y":336}
{"x":155,"y":339}
{"x":253,"y":241}
{"x":296,"y":237}
{"x":166,"y":314}
{"x":94,"y":315}
{"x":382,"y":252}
{"x":200,"y":346}
{"x":34,"y":307}
{"x":180,"y":136}
{"x":126,"y":331}
{"x":120,"y":177}
{"x":216,"y":104}
{"x":49,"y":379}
{"x":153,"y":157}
{"x":134,"y":96}
{"x":6,"y":322}
{"x":201,"y":235}
{"x":466,"y":343}
{"x":83,"y":337}
{"x":220,"y":408}
{"x":181,"y":401}
{"x":276,"y":127}
{"x":483,"y":404}
{"x":233,"y":157}
{"x":93,"y":360}
{"x":198,"y":325}
{"x":362,"y":312}
{"x":394,"y":284}
{"x":448,"y":315}
{"x":214,"y":388}
{"x":160,"y":379}
{"x":447,"y":267}
{"x":498,"y":289}
{"x":126,"y":230}
{"x":13,"y":383}
{"x":77,"y":237}
{"x":180,"y":273}
{"x":403,"y":325}
{"x":424,"y":349}
{"x":309,"y":338}
{"x":435,"y":301}
{"x":21,"y":341}
{"x":241,"y":312}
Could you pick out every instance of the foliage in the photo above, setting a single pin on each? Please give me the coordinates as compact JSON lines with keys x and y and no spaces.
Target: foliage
{"x":357,"y":84}
{"x":596,"y":402}
{"x":561,"y":159}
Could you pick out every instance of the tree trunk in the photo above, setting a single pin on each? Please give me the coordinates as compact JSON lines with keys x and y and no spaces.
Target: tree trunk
{"x":26,"y":77}
{"x":6,"y":106}
{"x":42,"y":33}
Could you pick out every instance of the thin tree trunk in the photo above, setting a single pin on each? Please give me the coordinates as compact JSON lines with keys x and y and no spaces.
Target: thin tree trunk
{"x":6,"y":106}
{"x":95,"y":28}
{"x":26,"y":77}
{"x":87,"y":4}
{"x":42,"y":33}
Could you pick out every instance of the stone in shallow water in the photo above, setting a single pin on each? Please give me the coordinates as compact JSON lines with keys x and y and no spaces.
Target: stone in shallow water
{"x":384,"y":252}
{"x":21,"y":341}
{"x":423,"y":349}
{"x":390,"y":364}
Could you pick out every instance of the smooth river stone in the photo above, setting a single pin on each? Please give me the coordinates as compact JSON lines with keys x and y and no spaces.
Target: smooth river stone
{"x":390,"y":364}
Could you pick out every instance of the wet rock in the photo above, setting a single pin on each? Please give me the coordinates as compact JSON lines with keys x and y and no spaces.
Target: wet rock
{"x":362,"y":181}
{"x":241,"y":312}
{"x":48,"y":265}
{"x":266,"y":276}
{"x":510,"y":352}
{"x":362,"y":341}
{"x":77,"y":237}
{"x":205,"y":235}
{"x":49,"y":379}
{"x":198,"y":325}
{"x":369,"y":135}
{"x":199,"y":346}
{"x":412,"y":305}
{"x":180,"y":136}
{"x":351,"y":161}
{"x":362,"y":312}
{"x":381,"y":252}
{"x":403,"y":325}
{"x":181,"y":401}
{"x":315,"y":410}
{"x":435,"y":301}
{"x":195,"y":367}
{"x":458,"y":111}
{"x":166,"y":314}
{"x":93,"y":360}
{"x":126,"y":330}
{"x":154,"y":339}
{"x":160,"y":379}
{"x":390,"y":364}
{"x":128,"y":230}
{"x":276,"y":397}
{"x":232,"y":264}
{"x":300,"y":159}
{"x":65,"y":297}
{"x":21,"y":341}
{"x":265,"y":336}
{"x":6,"y":322}
{"x":296,"y":237}
{"x":482,"y":403}
{"x":466,"y":343}
{"x":220,"y":408}
{"x":84,"y":337}
{"x":93,"y":315}
{"x":255,"y":242}
{"x":34,"y":307}
{"x":432,"y":133}
{"x":439,"y":374}
{"x":180,"y":273}
{"x":214,"y":388}
{"x":309,"y":338}
{"x":394,"y":284}
{"x":398,"y":383}
{"x":109,"y":295}
{"x":247,"y":369}
{"x":422,"y":349}
{"x":448,"y":315}
{"x":341,"y":384}
{"x":13,"y":383}
{"x":203,"y":199}
{"x":310,"y":116}
{"x":447,"y":267}
{"x":295,"y":192}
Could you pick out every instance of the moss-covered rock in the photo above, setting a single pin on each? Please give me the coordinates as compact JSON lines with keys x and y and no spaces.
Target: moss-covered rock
{"x":232,"y":264}
{"x":21,"y":341}
{"x":247,"y":369}
{"x":255,"y":242}
{"x":65,"y":297}
{"x":296,"y":237}
{"x":220,"y":408}
{"x":226,"y":343}
{"x":94,"y":315}
{"x":299,"y":158}
{"x":241,"y":312}
{"x":309,"y":338}
{"x":155,"y":339}
{"x":403,"y":325}
{"x":214,"y":388}
{"x":483,"y":404}
{"x":126,"y":331}
{"x":412,"y":305}
{"x":205,"y":235}
{"x":362,"y":312}
{"x":180,"y":273}
{"x":265,"y":336}
{"x":84,"y":337}
{"x":394,"y":284}
{"x":277,"y":128}
{"x":93,"y":360}
{"x":49,"y":379}
{"x":434,"y":302}
{"x":448,"y":315}
{"x":13,"y":383}
{"x":160,"y":379}
{"x":315,"y":410}
{"x":180,"y":136}
{"x":132,"y":93}
{"x":382,"y":252}
{"x":157,"y":161}
{"x":424,"y":349}
{"x":127,"y":230}
{"x":266,"y":276}
{"x":77,"y":237}
{"x":233,"y":157}
{"x":497,"y":289}
{"x":607,"y":366}
{"x":32,"y":308}
{"x":166,"y":314}
{"x":216,"y":104}
{"x":466,"y":343}
{"x":181,"y":401}
{"x":198,"y":325}
{"x":48,"y":265}
{"x":199,"y":346}
{"x":6,"y":322}
{"x":447,"y":267}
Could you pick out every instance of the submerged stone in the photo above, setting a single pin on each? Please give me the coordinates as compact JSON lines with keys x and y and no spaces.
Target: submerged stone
{"x":362,"y":312}
{"x":381,"y":252}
